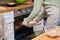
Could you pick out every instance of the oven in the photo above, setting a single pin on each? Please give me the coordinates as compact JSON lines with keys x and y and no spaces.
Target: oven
{"x":22,"y":32}
{"x":19,"y":15}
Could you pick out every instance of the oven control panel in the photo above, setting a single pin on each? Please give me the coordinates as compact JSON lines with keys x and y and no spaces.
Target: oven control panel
{"x":22,"y":12}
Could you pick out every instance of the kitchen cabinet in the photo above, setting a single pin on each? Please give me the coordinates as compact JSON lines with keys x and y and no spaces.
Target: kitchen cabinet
{"x":7,"y":19}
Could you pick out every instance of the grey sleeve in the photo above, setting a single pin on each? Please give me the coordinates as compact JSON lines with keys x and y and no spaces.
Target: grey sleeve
{"x":42,"y":15}
{"x":36,"y":10}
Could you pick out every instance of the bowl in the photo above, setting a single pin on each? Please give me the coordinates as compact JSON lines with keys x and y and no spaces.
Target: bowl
{"x":52,"y":30}
{"x":21,"y":1}
{"x":11,"y":4}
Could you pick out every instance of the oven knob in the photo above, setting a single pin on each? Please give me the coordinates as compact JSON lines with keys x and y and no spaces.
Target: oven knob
{"x":24,"y":11}
{"x":19,"y":12}
{"x":28,"y":10}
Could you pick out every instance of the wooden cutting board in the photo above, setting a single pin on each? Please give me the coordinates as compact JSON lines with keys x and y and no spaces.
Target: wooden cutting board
{"x":45,"y":37}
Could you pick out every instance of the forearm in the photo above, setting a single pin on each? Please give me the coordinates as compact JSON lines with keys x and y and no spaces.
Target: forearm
{"x":36,"y":10}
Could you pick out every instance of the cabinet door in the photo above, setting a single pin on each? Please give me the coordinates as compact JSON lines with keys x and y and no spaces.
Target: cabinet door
{"x":9,"y":31}
{"x":8,"y":24}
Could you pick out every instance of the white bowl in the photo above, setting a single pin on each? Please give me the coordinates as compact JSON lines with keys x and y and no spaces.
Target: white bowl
{"x":52,"y":31}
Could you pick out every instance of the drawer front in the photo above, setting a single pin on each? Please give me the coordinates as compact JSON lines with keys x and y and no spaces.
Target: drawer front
{"x":10,"y":37}
{"x":9,"y":30}
{"x":8,"y":17}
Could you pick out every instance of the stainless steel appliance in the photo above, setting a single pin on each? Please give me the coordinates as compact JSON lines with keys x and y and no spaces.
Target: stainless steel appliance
{"x":23,"y":32}
{"x":22,"y":12}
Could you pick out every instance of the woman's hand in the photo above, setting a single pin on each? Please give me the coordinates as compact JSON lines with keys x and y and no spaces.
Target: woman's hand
{"x":1,"y":33}
{"x":31,"y":23}
{"x":37,"y":20}
{"x":25,"y":23}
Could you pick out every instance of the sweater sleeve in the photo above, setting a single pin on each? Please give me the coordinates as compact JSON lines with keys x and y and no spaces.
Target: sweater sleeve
{"x":36,"y":10}
{"x":41,"y":16}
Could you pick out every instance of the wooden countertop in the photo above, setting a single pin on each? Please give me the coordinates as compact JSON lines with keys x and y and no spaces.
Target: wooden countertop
{"x":7,"y":9}
{"x":44,"y":37}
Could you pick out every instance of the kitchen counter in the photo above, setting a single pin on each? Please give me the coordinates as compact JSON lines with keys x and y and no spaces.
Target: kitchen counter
{"x":7,"y":9}
{"x":44,"y":37}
